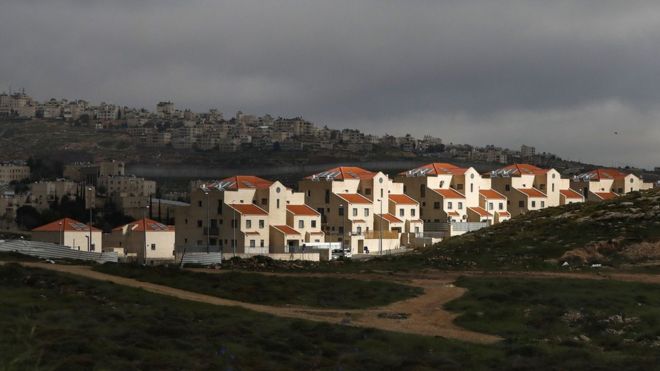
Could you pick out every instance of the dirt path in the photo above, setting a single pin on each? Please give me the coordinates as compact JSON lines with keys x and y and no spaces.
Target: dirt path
{"x":422,"y":315}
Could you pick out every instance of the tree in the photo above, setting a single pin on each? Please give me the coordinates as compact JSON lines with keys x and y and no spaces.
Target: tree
{"x":28,"y":217}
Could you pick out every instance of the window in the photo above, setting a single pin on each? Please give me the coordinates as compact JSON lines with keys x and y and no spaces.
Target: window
{"x":533,"y":203}
{"x":366,"y":211}
{"x":416,"y":229}
{"x":248,"y":224}
{"x":359,"y":229}
{"x":412,"y":212}
{"x":199,"y":203}
{"x":301,"y":224}
{"x":449,"y":205}
{"x":422,"y":190}
{"x":341,"y":211}
{"x":521,"y":204}
{"x":253,"y":243}
{"x":185,"y":221}
{"x":460,"y":206}
{"x":367,"y":191}
{"x":313,"y":223}
{"x":553,"y":185}
{"x":309,"y":193}
{"x":501,"y":206}
{"x":199,"y":224}
{"x":327,"y":196}
{"x":278,"y":203}
{"x":436,"y":205}
{"x":542,"y":203}
{"x":507,"y":187}
{"x":355,"y":213}
{"x":261,"y":243}
{"x":472,"y":186}
{"x":340,"y":230}
{"x":401,"y":212}
{"x":153,"y":246}
{"x":490,"y":206}
{"x":261,"y":223}
{"x":92,"y":247}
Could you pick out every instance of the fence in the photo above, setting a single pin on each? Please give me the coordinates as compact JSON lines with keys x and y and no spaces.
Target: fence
{"x":201,"y":258}
{"x":46,"y":250}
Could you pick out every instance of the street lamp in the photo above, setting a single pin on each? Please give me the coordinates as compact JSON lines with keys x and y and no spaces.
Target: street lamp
{"x":89,"y":245}
{"x":61,"y":223}
{"x":382,"y":219}
{"x":233,"y":241}
{"x":208,"y":226}
{"x":343,"y":227}
{"x":144,"y":221}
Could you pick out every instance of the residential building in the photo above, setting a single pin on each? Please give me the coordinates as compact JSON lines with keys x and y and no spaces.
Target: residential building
{"x":528,"y":187}
{"x":43,"y":193}
{"x":13,"y":171}
{"x":604,"y":184}
{"x":71,"y":233}
{"x":347,"y":199}
{"x":444,"y":191}
{"x":146,"y":240}
{"x":248,"y":215}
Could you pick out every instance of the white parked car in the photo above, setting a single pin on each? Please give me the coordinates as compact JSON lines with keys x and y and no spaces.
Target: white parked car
{"x":339,"y":253}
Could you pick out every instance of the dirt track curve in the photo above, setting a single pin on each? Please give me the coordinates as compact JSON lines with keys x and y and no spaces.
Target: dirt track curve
{"x":424,"y":314}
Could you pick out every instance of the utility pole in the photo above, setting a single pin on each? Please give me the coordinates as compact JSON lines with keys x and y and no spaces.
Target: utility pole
{"x":233,"y":242}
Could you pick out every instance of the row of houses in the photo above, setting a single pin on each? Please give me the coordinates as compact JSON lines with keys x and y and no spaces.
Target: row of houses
{"x":359,"y":210}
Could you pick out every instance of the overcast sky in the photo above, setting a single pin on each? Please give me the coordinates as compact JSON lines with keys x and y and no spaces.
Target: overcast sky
{"x":563,"y":76}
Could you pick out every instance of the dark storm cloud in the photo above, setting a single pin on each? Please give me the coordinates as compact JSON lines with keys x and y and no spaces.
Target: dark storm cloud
{"x":502,"y":72}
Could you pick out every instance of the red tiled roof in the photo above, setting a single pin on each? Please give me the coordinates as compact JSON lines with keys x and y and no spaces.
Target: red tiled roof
{"x":531,"y":192}
{"x":65,"y":224}
{"x":390,"y":218}
{"x":301,"y":210}
{"x":518,"y":170}
{"x":285,"y":229}
{"x":403,"y":200}
{"x":249,"y":209}
{"x":480,"y":210}
{"x":342,"y":173}
{"x":354,"y":198}
{"x":599,"y":174}
{"x":503,"y":213}
{"x":569,"y":193}
{"x":492,"y":194}
{"x":453,"y":213}
{"x":239,"y":182}
{"x":152,"y":226}
{"x":449,"y":193}
{"x":436,"y":168}
{"x":606,"y":195}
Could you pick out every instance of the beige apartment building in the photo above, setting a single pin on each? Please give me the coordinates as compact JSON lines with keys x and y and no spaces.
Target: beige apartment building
{"x":605,"y":184}
{"x":13,"y":171}
{"x":351,"y":201}
{"x":527,"y":187}
{"x":448,"y":193}
{"x":145,"y":240}
{"x":71,"y":233}
{"x":42,"y":194}
{"x":249,"y":215}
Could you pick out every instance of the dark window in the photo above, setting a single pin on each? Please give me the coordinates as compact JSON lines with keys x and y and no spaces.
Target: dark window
{"x":327,"y":196}
{"x":436,"y":205}
{"x":341,"y":211}
{"x":507,"y":187}
{"x":422,"y":190}
{"x":199,"y":223}
{"x":521,"y":204}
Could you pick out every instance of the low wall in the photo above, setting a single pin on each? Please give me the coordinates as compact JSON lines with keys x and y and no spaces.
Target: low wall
{"x":284,"y":256}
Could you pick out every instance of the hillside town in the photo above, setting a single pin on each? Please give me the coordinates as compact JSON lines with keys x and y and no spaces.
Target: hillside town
{"x":168,"y":127}
{"x":342,"y":211}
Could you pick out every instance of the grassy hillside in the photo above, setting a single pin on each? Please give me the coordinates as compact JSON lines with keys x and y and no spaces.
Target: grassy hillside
{"x":322,"y":292}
